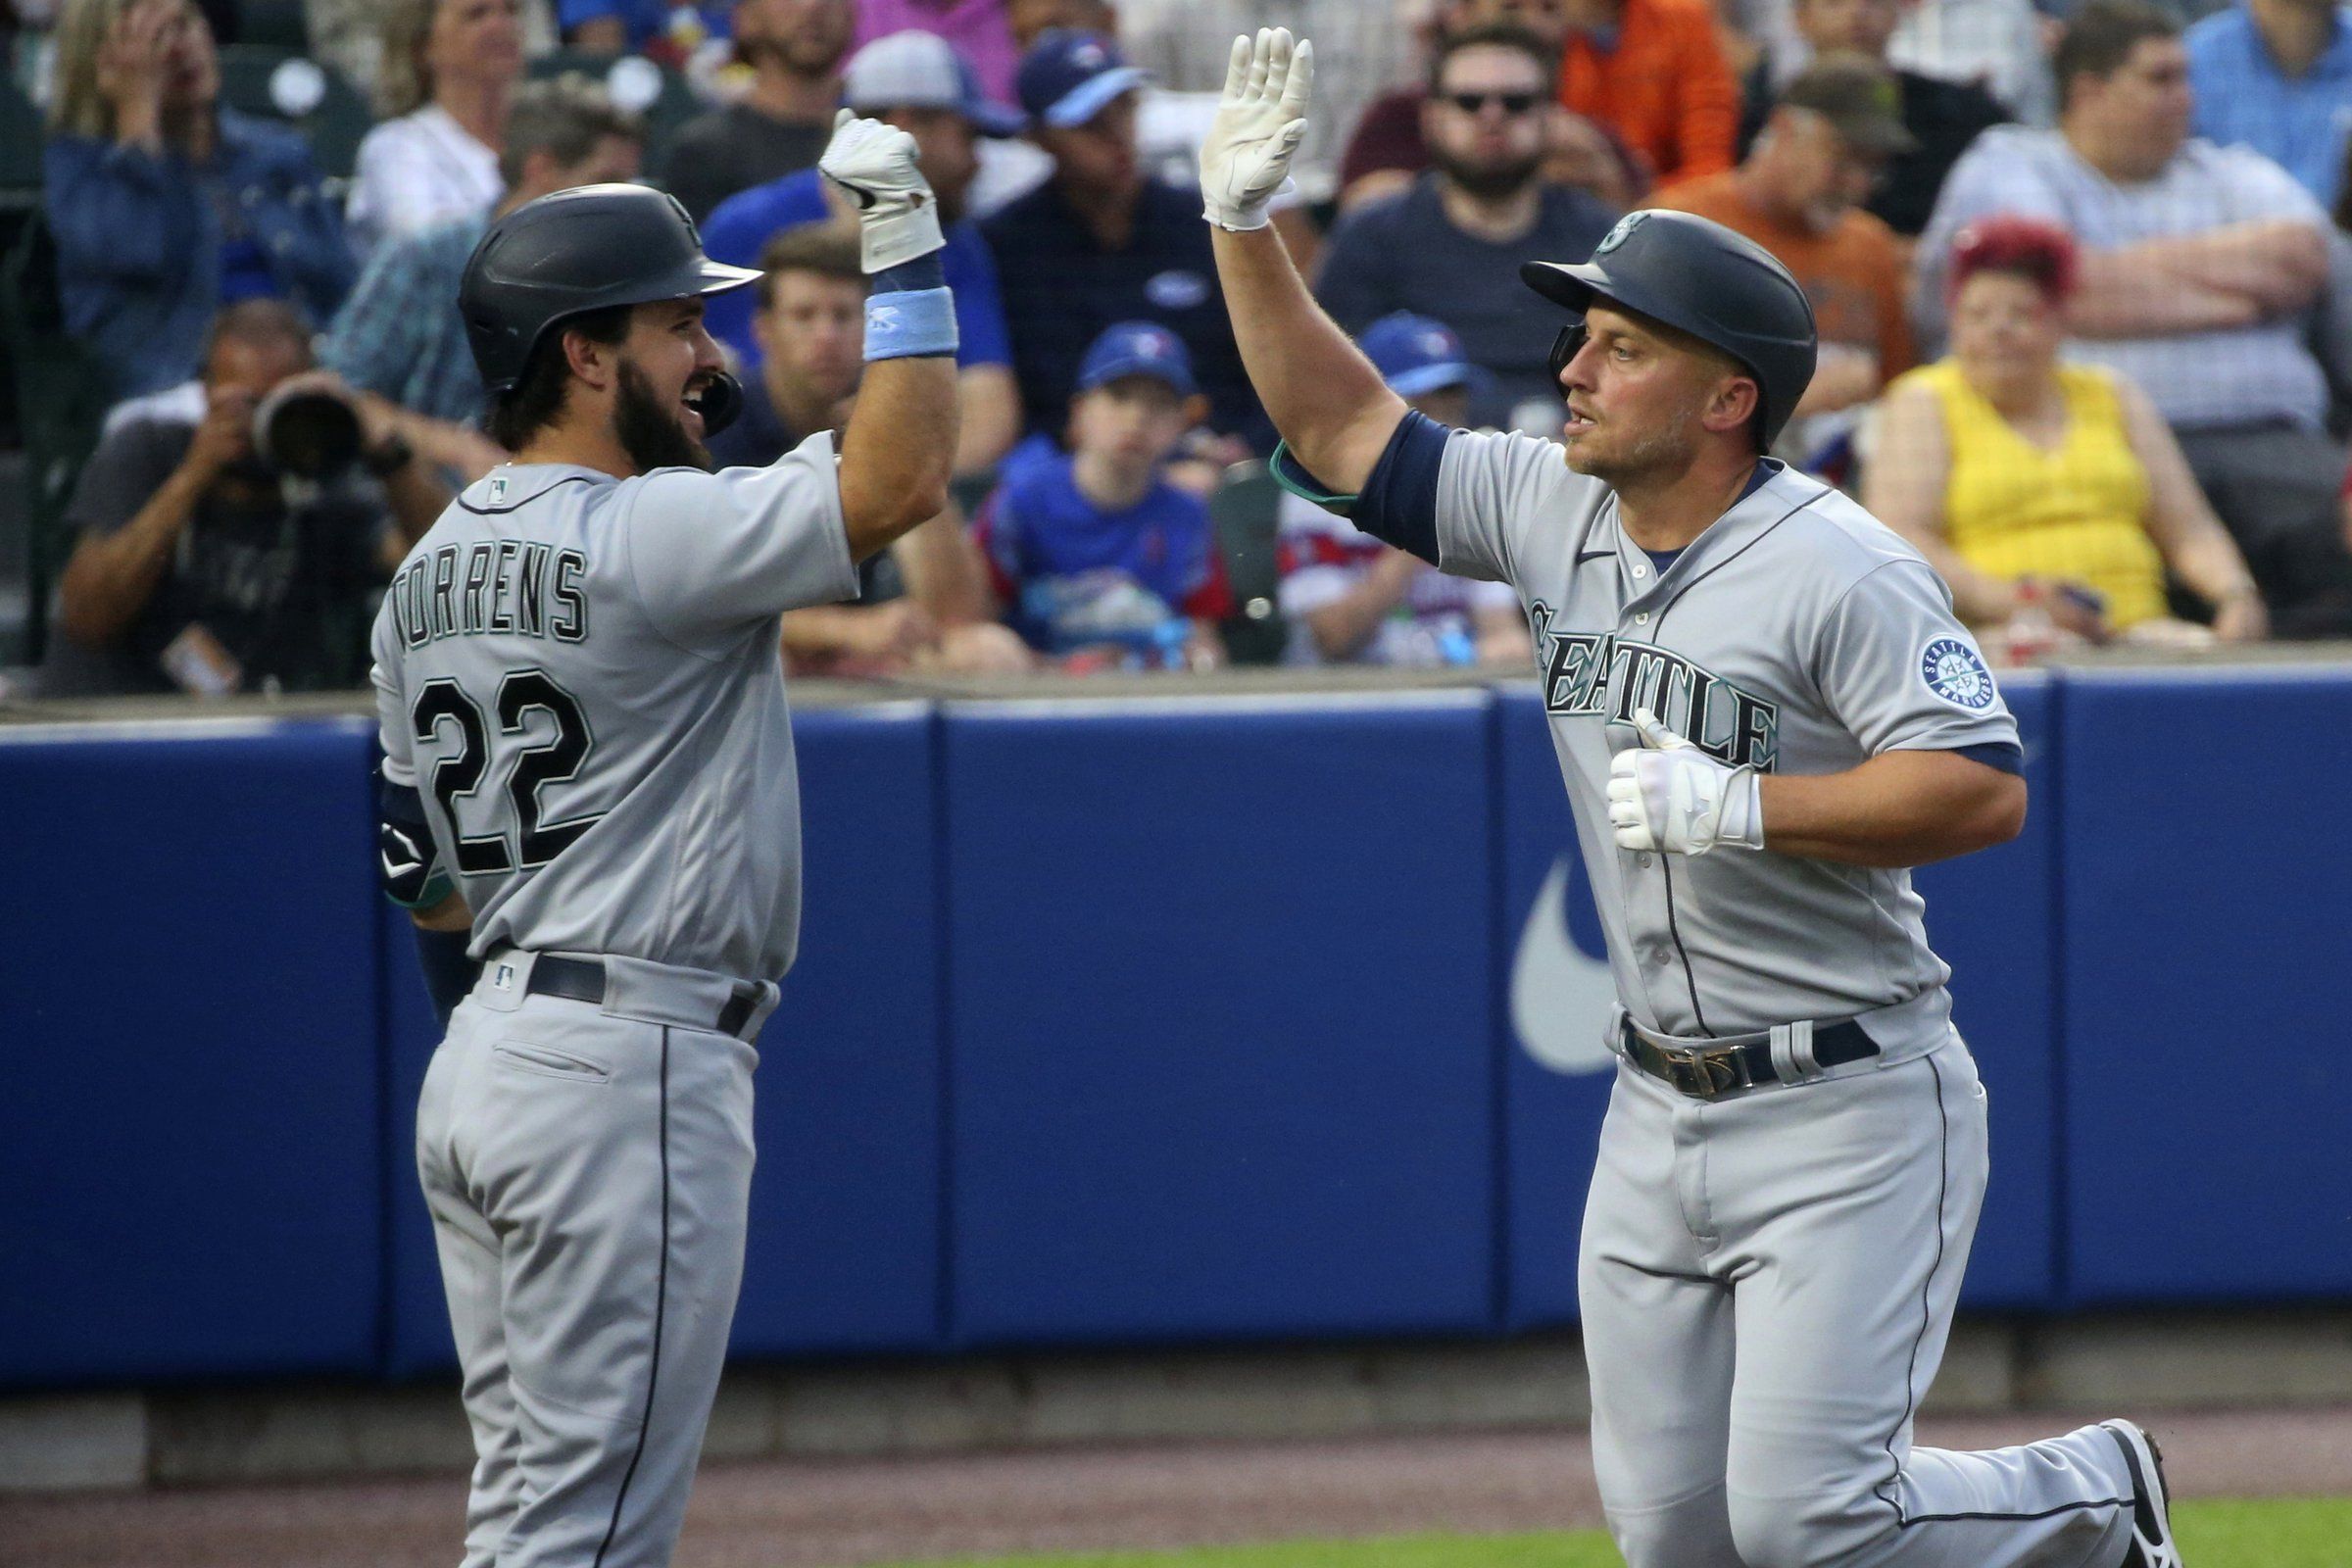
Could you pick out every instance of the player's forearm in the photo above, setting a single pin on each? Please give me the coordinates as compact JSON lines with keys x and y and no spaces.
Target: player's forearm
{"x":1323,"y":395}
{"x":898,"y":450}
{"x":1901,"y":808}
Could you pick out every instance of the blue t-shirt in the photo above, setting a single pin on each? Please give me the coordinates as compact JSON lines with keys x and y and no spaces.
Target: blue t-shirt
{"x":2242,"y":97}
{"x":648,"y":21}
{"x":743,"y":224}
{"x":1075,"y":575}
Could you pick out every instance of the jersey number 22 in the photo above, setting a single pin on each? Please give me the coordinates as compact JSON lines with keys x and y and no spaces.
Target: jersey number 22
{"x":551,"y":761}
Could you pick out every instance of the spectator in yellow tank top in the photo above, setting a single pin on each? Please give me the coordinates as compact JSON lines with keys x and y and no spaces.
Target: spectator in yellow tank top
{"x":2003,"y":464}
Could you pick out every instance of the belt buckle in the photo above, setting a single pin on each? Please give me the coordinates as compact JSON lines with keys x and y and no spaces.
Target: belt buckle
{"x":1704,"y":1072}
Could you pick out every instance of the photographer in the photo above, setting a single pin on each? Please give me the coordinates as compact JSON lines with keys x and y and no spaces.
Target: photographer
{"x":243,"y":552}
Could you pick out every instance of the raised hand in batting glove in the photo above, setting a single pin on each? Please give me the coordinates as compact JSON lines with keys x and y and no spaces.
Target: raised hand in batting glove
{"x":1246,"y":160}
{"x":898,"y":216}
{"x":1669,"y":795}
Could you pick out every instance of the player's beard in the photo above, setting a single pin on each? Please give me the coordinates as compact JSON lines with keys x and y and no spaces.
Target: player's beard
{"x":1665,"y":447}
{"x":650,"y":430}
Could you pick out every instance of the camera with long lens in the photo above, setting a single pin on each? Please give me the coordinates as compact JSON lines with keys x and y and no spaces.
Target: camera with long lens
{"x":311,"y":432}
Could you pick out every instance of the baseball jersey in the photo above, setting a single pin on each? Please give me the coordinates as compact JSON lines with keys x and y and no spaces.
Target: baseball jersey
{"x":1798,"y":634}
{"x":580,"y":677}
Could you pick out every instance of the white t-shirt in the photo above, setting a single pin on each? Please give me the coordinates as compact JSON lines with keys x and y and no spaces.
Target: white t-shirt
{"x":1323,"y":559}
{"x":417,"y":172}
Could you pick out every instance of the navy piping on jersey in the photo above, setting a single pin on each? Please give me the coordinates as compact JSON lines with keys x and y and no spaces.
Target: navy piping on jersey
{"x":653,"y":1371}
{"x":1926,"y":1293}
{"x":523,"y":501}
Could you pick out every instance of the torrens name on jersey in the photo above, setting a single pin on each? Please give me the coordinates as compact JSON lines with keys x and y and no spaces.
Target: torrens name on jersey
{"x":504,"y":586}
{"x":1598,"y":674}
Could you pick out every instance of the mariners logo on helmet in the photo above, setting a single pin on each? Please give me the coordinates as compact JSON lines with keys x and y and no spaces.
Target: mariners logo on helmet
{"x":1620,"y":234}
{"x":1955,"y":672}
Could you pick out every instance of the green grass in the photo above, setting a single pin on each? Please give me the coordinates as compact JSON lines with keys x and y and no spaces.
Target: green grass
{"x":2291,"y":1533}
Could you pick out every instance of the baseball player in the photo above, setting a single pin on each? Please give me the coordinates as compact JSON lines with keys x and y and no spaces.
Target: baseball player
{"x":588,"y":789}
{"x":1764,"y":712}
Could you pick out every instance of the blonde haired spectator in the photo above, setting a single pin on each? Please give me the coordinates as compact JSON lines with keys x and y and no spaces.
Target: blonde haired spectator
{"x":2005,"y":464}
{"x":448,"y":70}
{"x":347,"y":35}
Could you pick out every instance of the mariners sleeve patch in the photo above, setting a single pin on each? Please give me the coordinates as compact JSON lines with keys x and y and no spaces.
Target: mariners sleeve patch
{"x":1955,"y":672}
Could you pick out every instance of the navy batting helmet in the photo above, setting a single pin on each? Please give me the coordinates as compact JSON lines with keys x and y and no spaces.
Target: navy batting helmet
{"x":1698,"y":277}
{"x":586,"y":249}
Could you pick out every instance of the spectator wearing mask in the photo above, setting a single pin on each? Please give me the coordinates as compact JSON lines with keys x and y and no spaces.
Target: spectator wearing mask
{"x":1363,"y":51}
{"x":783,"y":120}
{"x":1097,"y":557}
{"x":923,"y":604}
{"x":980,"y":30}
{"x":2277,"y":76}
{"x":659,"y":30}
{"x":449,"y":68}
{"x":2008,"y":467}
{"x":1103,"y":241}
{"x":1653,"y":72}
{"x":2200,"y":265}
{"x":1386,"y":149}
{"x":916,"y":81}
{"x":1798,"y":194}
{"x":1942,"y":117}
{"x":1449,"y":247}
{"x":1349,"y":598}
{"x":399,"y":336}
{"x":164,"y":203}
{"x":200,"y":567}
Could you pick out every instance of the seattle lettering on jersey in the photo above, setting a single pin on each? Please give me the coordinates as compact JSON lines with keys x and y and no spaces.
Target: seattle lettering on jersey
{"x":1598,"y":674}
{"x":505,"y":587}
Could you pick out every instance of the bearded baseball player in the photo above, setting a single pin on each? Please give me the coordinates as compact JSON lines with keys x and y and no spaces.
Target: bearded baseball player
{"x":1764,"y":712}
{"x":589,"y":791}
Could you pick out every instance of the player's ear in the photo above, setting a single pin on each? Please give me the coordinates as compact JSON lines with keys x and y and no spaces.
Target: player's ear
{"x":1734,"y":403}
{"x":598,"y":364}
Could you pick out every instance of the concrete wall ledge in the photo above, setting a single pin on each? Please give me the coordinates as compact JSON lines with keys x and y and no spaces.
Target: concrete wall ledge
{"x":169,"y":1436}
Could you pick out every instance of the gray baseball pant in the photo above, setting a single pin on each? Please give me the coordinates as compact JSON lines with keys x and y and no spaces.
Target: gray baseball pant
{"x":1766,"y":1284}
{"x":589,"y":1171}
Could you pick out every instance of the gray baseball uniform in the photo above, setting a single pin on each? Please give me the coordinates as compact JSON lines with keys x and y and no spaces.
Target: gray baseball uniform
{"x":1767,"y":1277}
{"x":580,"y":676}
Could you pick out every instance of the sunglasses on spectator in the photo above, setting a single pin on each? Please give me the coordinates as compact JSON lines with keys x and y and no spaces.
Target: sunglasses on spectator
{"x":1513,"y":103}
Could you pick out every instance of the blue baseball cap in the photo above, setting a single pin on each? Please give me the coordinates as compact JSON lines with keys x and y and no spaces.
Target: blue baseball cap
{"x":1069,"y":77}
{"x":1418,"y":353}
{"x":914,"y":69}
{"x":1137,"y":347}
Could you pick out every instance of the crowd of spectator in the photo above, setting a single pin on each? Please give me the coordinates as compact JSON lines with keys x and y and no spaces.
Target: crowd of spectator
{"x":2082,"y":275}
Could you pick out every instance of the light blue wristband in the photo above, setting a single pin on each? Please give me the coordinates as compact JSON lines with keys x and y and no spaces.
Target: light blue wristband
{"x":903,"y":325}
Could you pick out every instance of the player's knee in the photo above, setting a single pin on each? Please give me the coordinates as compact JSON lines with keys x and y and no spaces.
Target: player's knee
{"x":1693,"y":1533}
{"x":1809,"y":1531}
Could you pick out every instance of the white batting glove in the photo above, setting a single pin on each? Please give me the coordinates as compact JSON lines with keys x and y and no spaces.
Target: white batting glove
{"x":1669,"y":795}
{"x":1246,"y":160}
{"x":898,"y":216}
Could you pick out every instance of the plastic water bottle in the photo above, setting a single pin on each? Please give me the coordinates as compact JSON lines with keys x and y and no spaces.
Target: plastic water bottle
{"x":2032,"y":634}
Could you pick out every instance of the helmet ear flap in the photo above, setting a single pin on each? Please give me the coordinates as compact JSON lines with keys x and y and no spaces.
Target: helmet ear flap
{"x":1567,"y":346}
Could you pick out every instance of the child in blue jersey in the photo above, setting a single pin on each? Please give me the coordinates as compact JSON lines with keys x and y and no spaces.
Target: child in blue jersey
{"x":1093,"y":553}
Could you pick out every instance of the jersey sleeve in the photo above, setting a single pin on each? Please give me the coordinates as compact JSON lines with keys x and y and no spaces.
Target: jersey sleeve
{"x":391,"y":703}
{"x":1485,"y":485}
{"x":1901,"y":673}
{"x":712,"y":552}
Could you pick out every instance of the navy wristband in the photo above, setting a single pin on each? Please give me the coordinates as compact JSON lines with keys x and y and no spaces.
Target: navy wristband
{"x":925,"y":271}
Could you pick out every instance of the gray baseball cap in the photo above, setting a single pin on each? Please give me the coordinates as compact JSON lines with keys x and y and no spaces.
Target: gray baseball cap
{"x":916,"y":70}
{"x":1859,"y":98}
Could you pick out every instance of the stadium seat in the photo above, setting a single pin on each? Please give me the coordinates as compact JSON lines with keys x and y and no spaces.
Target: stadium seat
{"x":284,"y":85}
{"x":61,"y":399}
{"x":272,"y":24}
{"x":1246,"y":512}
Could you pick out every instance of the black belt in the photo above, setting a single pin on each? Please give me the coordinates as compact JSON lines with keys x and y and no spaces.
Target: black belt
{"x":583,"y":980}
{"x":1708,"y":1072}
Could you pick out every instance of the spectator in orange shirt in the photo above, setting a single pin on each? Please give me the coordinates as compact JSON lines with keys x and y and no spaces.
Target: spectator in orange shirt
{"x":1799,"y":196}
{"x":1653,"y":72}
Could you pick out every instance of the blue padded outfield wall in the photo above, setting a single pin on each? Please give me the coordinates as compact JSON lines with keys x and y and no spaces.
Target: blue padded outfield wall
{"x":1146,"y":1022}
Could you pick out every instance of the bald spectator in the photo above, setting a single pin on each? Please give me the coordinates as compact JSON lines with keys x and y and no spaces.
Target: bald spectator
{"x":400,"y":338}
{"x":1450,"y":245}
{"x":782,"y":121}
{"x":1944,"y":117}
{"x":2200,"y":268}
{"x":1798,"y":194}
